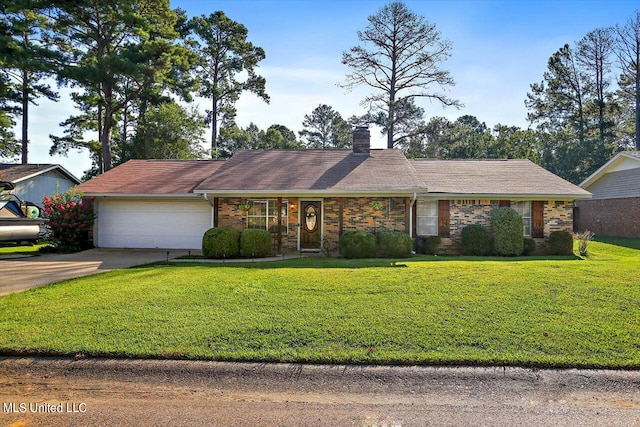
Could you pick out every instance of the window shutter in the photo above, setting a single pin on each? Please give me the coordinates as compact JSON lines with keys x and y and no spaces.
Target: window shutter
{"x":537,"y":219}
{"x":505,"y":203}
{"x":443,"y":218}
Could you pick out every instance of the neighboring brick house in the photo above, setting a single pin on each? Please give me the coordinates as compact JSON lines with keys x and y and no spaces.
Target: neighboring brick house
{"x":614,"y":209}
{"x":308,"y":197}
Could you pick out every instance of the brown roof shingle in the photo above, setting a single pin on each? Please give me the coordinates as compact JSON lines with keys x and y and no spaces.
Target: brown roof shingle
{"x":493,"y":177}
{"x":314,"y":171}
{"x":17,"y":172}
{"x":152,"y":177}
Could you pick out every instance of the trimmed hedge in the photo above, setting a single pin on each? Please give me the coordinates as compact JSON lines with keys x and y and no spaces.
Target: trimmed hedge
{"x":255,"y":243}
{"x":358,"y":244}
{"x":394,"y":244}
{"x":507,"y":229}
{"x":427,"y":245}
{"x":221,"y":242}
{"x":560,"y":243}
{"x":475,"y":240}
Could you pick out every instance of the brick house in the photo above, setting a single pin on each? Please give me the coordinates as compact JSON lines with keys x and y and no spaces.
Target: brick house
{"x":614,"y":209}
{"x":308,"y":197}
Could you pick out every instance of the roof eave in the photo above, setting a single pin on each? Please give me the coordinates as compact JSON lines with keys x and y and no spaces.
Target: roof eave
{"x":311,"y":193}
{"x":603,"y":169}
{"x":64,"y":172}
{"x":142,"y":195}
{"x":509,"y":196}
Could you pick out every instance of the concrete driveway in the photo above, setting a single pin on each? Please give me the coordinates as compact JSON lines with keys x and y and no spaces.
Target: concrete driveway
{"x":25,"y":273}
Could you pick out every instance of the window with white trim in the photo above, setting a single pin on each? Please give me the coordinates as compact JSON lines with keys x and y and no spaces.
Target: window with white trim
{"x":263,"y":215}
{"x":427,"y":217}
{"x":524,"y":210}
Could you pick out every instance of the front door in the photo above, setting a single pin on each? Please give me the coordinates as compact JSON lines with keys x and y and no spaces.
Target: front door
{"x":311,"y":225}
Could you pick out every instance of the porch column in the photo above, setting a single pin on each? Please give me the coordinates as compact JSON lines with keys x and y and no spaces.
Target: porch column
{"x":215,"y":211}
{"x":340,"y":212}
{"x":407,"y":215}
{"x":279,"y":225}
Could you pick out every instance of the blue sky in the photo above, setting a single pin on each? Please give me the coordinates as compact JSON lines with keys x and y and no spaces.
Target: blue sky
{"x":499,"y":49}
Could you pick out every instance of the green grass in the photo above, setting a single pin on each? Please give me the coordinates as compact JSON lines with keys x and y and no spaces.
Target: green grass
{"x":7,"y":249}
{"x":554,"y":312}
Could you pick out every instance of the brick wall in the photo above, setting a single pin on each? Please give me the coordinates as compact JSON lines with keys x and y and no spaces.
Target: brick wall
{"x":362,"y":214}
{"x":558,"y":215}
{"x":359,"y":213}
{"x":230,"y":216}
{"x":610,"y":217}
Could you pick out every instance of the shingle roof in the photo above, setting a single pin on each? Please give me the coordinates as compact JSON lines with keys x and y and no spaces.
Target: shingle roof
{"x":332,"y":172}
{"x":493,"y":177}
{"x":18,"y":172}
{"x":327,"y":171}
{"x":151,"y":177}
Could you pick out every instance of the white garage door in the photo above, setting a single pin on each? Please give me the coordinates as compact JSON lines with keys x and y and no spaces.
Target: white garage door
{"x":168,"y":224}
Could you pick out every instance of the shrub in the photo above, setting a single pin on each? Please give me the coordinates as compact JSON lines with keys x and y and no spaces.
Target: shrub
{"x":427,"y":245}
{"x":255,"y":243}
{"x":475,"y":240}
{"x":394,"y":244}
{"x":507,"y":229}
{"x":560,"y":243}
{"x":221,"y":242}
{"x":358,"y":244}
{"x":529,"y":246}
{"x":70,"y":220}
{"x":583,"y":242}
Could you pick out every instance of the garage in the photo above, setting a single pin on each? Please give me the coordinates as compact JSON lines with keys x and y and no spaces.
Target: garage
{"x":174,"y":223}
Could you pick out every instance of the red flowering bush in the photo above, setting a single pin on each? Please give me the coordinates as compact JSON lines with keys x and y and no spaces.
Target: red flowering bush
{"x":70,"y":219}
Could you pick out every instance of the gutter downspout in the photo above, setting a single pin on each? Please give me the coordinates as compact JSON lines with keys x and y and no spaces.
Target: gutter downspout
{"x":213,"y":211}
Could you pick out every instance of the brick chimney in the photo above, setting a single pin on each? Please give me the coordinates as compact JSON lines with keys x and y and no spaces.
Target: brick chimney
{"x":361,"y":141}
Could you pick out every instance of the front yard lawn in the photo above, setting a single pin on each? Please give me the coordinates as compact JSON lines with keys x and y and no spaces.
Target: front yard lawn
{"x":8,"y":249}
{"x":477,"y":311}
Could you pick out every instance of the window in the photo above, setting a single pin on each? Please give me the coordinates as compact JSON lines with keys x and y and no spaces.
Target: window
{"x":427,"y":217}
{"x":524,"y":209}
{"x":263,"y":215}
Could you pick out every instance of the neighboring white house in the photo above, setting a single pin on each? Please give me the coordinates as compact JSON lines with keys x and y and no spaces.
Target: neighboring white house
{"x":614,"y":209}
{"x":34,"y":181}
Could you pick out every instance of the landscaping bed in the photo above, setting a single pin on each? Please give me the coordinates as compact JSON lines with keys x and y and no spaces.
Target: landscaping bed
{"x":533,"y":311}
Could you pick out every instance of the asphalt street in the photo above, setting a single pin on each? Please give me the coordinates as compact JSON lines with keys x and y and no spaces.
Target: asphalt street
{"x":93,"y":392}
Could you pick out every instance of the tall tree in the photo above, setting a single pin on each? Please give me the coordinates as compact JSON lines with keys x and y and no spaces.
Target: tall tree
{"x":279,"y":137}
{"x":400,"y":59}
{"x":594,"y":55}
{"x":111,"y":41}
{"x":559,"y":100}
{"x":225,"y":55}
{"x":628,"y":52}
{"x":169,"y":131}
{"x":8,"y":145}
{"x":29,"y":62}
{"x":325,"y":128}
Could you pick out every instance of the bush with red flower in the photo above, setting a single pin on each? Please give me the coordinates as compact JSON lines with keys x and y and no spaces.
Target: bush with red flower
{"x":70,"y":219}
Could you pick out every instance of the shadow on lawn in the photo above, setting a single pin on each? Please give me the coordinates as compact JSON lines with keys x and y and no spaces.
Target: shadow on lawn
{"x":322,"y":262}
{"x":625,"y":242}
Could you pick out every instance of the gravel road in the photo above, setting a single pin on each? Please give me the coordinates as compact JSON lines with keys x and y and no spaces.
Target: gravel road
{"x":106,"y":392}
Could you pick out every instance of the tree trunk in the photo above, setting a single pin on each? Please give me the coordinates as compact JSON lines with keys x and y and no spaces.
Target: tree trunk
{"x":214,"y":128}
{"x":25,"y":117}
{"x":107,"y":124}
{"x":105,"y":140}
{"x":638,"y":98}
